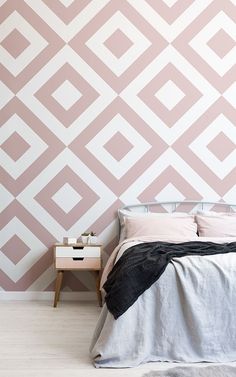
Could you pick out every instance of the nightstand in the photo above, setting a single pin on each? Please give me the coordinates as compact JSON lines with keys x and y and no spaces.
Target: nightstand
{"x":77,"y":257}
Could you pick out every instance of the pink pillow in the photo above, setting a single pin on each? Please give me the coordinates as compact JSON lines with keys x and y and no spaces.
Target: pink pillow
{"x":174,"y":227}
{"x":123,"y":214}
{"x":217,"y":225}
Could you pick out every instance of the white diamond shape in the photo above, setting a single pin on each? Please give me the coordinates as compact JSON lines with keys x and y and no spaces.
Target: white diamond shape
{"x":66,"y":3}
{"x":169,"y":95}
{"x":6,"y":95}
{"x":168,"y":193}
{"x":66,"y":95}
{"x":16,"y":227}
{"x":66,"y":198}
{"x":118,"y":65}
{"x":131,"y":95}
{"x":230,"y":94}
{"x":6,"y":198}
{"x":37,"y":146}
{"x":37,"y":43}
{"x":140,"y":146}
{"x":230,"y":196}
{"x":170,"y":3}
{"x":66,"y":56}
{"x":43,"y":281}
{"x":199,"y":146}
{"x":199,"y":43}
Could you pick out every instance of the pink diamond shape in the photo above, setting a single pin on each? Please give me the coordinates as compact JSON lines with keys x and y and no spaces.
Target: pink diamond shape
{"x":221,"y":43}
{"x":118,"y":43}
{"x":15,"y":146}
{"x":78,"y":146}
{"x":15,"y":249}
{"x":44,"y":95}
{"x":15,"y":43}
{"x":79,"y":44}
{"x":221,"y":146}
{"x":66,"y":175}
{"x":41,"y":57}
{"x":118,"y":146}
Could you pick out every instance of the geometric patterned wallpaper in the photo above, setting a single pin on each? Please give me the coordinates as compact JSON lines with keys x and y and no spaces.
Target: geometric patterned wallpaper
{"x":104,"y":103}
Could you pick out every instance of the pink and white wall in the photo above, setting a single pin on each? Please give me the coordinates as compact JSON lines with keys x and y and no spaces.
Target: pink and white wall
{"x":103,"y":103}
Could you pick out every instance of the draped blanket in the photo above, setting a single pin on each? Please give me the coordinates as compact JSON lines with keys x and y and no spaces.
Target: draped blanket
{"x":141,"y":265}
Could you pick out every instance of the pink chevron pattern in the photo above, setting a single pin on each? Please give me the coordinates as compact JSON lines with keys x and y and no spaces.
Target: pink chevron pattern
{"x":105,"y":103}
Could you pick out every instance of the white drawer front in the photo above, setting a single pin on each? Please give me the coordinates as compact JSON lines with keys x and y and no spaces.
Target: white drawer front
{"x":78,"y":251}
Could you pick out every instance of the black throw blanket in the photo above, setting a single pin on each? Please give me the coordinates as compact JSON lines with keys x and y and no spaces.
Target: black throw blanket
{"x":141,"y":265}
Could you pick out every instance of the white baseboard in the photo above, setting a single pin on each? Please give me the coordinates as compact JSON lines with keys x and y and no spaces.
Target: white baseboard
{"x":28,"y":295}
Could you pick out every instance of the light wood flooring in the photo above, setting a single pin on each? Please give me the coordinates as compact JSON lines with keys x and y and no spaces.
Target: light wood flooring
{"x":39,"y":340}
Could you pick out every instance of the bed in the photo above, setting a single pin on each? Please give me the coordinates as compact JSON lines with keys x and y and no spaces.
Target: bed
{"x":189,"y":313}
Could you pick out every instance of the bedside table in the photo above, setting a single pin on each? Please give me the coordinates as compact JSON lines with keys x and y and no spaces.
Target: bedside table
{"x":77,"y":257}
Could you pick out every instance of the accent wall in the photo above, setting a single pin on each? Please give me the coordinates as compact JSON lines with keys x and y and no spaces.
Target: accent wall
{"x":105,"y":103}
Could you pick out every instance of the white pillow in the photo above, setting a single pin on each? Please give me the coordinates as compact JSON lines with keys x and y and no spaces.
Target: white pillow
{"x":168,"y":225}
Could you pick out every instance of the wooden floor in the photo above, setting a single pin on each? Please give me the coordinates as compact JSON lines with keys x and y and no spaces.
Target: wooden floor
{"x":39,"y":340}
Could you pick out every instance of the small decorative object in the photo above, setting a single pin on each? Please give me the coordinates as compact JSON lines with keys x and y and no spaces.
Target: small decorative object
{"x":69,"y":240}
{"x":93,"y":238}
{"x":89,"y":238}
{"x":85,"y":237}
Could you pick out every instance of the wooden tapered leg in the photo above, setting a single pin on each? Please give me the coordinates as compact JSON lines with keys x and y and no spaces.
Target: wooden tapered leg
{"x":58,"y":287}
{"x":99,"y":295}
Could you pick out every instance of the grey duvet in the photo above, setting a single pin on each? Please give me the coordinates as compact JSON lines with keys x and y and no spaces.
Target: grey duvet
{"x":188,"y":315}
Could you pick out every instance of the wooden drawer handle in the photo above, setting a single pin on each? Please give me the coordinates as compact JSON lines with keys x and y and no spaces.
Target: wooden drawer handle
{"x":78,"y":258}
{"x":78,"y":247}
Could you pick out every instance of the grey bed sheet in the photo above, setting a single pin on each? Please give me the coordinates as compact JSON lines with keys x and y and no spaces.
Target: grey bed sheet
{"x":188,"y":315}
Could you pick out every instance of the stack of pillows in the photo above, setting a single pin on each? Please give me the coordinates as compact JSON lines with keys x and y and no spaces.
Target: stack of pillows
{"x":177,"y":224}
